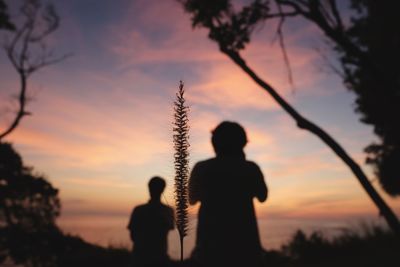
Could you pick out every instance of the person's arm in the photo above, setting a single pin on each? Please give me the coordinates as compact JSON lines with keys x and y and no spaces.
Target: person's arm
{"x":260,"y":189}
{"x":194,"y":185}
{"x":171,"y":219}
{"x":131,"y":225}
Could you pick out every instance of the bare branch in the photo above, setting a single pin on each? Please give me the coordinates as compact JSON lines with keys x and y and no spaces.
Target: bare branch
{"x":336,"y":14}
{"x":21,"y":112}
{"x":226,"y":34}
{"x":298,"y":6}
{"x":308,"y":125}
{"x":282,"y":45}
{"x":24,"y":54}
{"x":282,"y":14}
{"x":330,"y":64}
{"x":11,"y":46}
{"x":44,"y":63}
{"x":19,"y":51}
{"x":52,"y":22}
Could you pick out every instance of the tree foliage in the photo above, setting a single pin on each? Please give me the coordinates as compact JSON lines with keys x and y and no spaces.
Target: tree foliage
{"x":374,"y":78}
{"x":29,"y":205}
{"x":367,"y":48}
{"x":5,"y":22}
{"x":232,"y":30}
{"x":366,"y":245}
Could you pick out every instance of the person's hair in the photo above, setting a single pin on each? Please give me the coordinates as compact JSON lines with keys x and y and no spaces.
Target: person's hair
{"x":156,"y":186}
{"x":228,"y":138}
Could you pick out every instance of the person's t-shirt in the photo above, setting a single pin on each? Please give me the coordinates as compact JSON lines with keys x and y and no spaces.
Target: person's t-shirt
{"x":149,"y":225}
{"x":227,"y":226}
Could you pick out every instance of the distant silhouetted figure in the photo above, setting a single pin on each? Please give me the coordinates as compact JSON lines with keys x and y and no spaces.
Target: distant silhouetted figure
{"x":227,"y":232}
{"x":149,"y":225}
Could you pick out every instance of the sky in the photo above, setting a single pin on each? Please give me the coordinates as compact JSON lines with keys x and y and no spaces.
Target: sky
{"x":101,"y":123}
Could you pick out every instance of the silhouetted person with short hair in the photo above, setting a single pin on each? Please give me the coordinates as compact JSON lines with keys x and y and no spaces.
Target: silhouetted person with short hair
{"x":227,"y":232}
{"x":149,"y":226}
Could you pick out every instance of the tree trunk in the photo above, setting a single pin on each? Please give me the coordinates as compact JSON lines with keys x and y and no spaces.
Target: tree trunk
{"x":303,"y":123}
{"x":21,"y":109}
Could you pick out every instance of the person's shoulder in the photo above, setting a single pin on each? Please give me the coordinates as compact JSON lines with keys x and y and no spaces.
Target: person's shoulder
{"x":167,"y":208}
{"x":204,"y":163}
{"x":253,"y":166}
{"x":140,"y":208}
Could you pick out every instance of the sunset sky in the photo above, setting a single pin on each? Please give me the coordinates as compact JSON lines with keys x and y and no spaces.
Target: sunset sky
{"x":102,"y":119}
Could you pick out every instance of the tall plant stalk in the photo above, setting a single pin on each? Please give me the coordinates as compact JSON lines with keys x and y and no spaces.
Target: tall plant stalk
{"x":181,"y":163}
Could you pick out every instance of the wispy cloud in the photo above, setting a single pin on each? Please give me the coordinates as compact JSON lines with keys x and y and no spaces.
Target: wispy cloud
{"x":102,"y":120}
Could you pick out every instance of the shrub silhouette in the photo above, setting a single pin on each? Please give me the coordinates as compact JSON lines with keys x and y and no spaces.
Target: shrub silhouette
{"x":29,"y":205}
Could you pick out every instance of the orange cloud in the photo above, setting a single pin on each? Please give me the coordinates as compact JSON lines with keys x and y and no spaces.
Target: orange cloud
{"x":89,"y":136}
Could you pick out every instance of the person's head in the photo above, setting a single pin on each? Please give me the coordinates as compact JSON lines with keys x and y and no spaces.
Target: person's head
{"x":156,"y":187}
{"x":228,"y":138}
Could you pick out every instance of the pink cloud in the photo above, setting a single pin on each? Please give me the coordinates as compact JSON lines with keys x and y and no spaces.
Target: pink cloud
{"x":225,"y":86}
{"x":110,"y":120}
{"x":83,"y":134}
{"x":221,"y":83}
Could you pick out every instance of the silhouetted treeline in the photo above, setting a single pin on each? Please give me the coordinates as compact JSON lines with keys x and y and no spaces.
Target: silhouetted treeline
{"x":29,"y":236}
{"x":367,"y":246}
{"x":372,"y":247}
{"x":53,"y":248}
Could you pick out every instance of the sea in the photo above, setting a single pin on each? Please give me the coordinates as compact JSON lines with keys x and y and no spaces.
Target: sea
{"x":274,"y":233}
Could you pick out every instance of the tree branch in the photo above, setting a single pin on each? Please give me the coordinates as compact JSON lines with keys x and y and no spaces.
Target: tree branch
{"x":282,"y":45}
{"x":305,"y":124}
{"x":231,"y":39}
{"x":18,"y":52}
{"x":336,"y":14}
{"x":44,"y":63}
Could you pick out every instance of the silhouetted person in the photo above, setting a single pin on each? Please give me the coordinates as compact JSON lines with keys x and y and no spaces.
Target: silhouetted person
{"x":149,"y":225}
{"x":227,"y":232}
